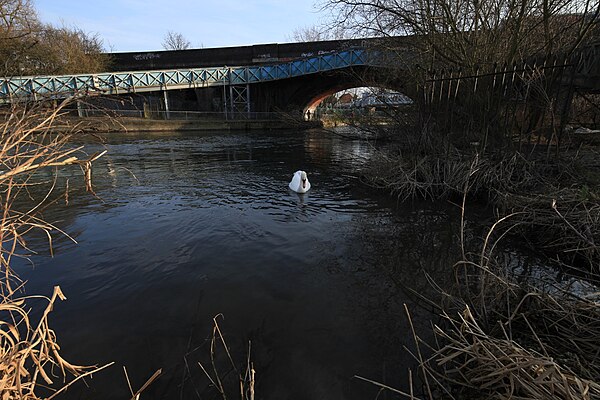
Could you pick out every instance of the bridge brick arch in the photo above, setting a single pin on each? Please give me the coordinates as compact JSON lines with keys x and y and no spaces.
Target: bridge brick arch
{"x":306,"y":92}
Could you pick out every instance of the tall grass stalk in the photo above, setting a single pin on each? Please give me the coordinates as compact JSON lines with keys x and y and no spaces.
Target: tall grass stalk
{"x":218,"y":373}
{"x":29,"y":350}
{"x":503,"y":335}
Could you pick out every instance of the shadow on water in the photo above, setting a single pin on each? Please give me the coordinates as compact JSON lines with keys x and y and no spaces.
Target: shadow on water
{"x":187,"y":226}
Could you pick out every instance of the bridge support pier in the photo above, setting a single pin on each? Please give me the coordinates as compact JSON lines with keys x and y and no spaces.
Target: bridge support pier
{"x":239,"y":99}
{"x":80,"y":110}
{"x":166,"y":99}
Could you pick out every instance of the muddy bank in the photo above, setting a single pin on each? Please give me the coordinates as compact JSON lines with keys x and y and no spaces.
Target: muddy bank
{"x":109,"y":124}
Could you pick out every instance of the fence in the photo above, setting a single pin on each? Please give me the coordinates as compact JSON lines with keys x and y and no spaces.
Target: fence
{"x":531,"y":100}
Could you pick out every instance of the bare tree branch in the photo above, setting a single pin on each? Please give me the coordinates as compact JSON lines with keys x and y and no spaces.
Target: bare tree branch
{"x":175,"y":41}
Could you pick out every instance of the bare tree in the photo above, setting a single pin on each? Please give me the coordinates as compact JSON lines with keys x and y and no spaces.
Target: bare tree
{"x":472,"y":32}
{"x":28,"y":47}
{"x":65,"y":50}
{"x":17,"y":18}
{"x":18,"y":24}
{"x":315,"y":33}
{"x":175,"y":41}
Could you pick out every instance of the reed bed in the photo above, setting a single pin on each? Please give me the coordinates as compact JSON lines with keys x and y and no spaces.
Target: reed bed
{"x":556,"y":203}
{"x":500,"y":338}
{"x":473,"y":363}
{"x":31,"y":366}
{"x":503,"y":334}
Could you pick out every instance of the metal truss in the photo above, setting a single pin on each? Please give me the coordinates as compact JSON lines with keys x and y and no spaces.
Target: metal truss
{"x":38,"y":87}
{"x":239,"y":99}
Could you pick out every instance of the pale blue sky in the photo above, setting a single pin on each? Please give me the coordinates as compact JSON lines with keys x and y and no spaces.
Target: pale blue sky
{"x":136,"y":25}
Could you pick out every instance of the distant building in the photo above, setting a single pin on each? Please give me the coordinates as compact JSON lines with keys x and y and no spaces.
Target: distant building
{"x":345,"y":100}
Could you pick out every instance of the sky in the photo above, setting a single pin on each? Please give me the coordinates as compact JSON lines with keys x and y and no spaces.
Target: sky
{"x":138,"y":25}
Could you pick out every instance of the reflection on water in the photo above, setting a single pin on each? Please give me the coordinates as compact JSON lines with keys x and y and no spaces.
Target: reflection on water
{"x":187,"y":226}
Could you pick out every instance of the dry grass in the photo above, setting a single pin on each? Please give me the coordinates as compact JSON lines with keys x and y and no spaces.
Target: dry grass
{"x":223,"y":374}
{"x":29,"y":353}
{"x":557,"y":201}
{"x":30,"y":360}
{"x":473,"y":362}
{"x":504,"y":339}
{"x":501,"y":336}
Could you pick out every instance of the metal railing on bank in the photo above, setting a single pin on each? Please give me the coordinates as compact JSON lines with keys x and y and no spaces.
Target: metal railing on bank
{"x":189,"y":115}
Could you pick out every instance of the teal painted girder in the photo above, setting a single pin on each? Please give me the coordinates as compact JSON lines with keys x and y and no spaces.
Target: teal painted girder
{"x":17,"y":88}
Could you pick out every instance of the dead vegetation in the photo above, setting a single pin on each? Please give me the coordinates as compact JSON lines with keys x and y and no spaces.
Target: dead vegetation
{"x":30,"y":154}
{"x":503,"y":337}
{"x":222,"y":376}
{"x":246,"y":379}
{"x":505,"y":334}
{"x":556,"y":201}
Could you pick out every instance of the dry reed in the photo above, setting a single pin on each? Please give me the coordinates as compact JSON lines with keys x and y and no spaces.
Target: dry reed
{"x":504,"y":337}
{"x":218,"y":374}
{"x":557,"y":203}
{"x":29,"y":351}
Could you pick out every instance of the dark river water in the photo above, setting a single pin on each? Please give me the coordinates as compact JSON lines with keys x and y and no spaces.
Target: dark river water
{"x":186,"y":227}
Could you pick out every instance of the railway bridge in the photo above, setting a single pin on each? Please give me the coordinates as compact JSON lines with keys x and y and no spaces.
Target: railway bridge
{"x":249,"y":79}
{"x":245,"y":79}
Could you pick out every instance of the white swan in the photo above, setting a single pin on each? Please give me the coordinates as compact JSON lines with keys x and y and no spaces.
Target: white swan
{"x":299,"y":183}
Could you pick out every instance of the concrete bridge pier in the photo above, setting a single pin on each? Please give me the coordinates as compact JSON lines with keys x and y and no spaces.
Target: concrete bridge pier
{"x":166,"y":101}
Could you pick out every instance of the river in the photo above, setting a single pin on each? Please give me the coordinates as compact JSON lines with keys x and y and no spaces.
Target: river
{"x":188,"y":226}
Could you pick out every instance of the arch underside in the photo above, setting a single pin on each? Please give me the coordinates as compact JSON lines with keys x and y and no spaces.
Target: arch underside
{"x":306,"y":92}
{"x":297,"y":94}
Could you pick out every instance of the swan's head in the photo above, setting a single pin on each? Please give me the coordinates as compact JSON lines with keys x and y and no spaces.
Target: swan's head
{"x":303,"y":178}
{"x":299,"y":183}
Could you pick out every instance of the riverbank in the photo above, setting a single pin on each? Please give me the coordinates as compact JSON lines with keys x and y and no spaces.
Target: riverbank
{"x":555,"y":200}
{"x":509,"y":330}
{"x":130,"y":124}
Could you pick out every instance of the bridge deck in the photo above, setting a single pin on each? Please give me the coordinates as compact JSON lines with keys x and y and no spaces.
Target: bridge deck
{"x":37,"y":87}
